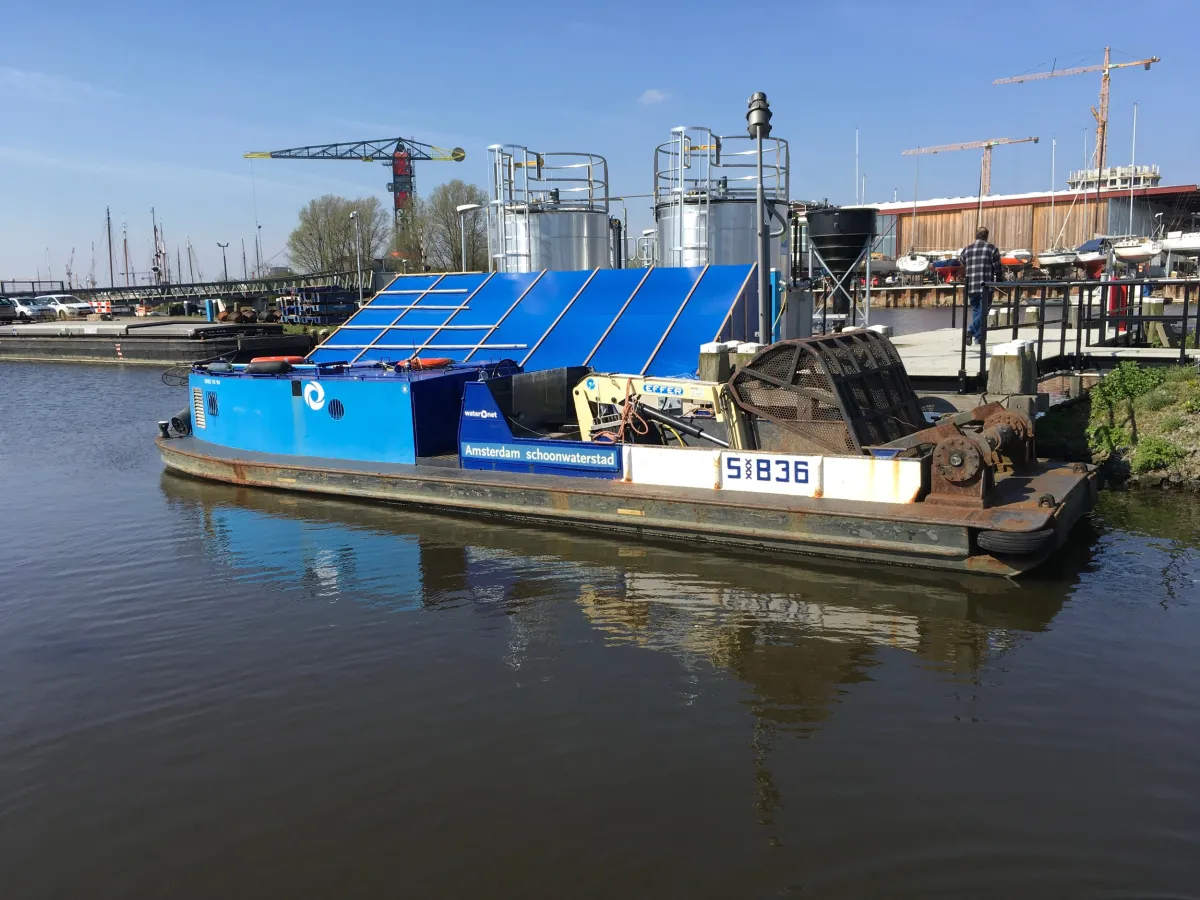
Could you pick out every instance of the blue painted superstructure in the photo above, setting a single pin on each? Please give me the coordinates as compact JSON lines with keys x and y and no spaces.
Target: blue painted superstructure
{"x":357,"y":398}
{"x":486,"y":441}
{"x":366,"y":414}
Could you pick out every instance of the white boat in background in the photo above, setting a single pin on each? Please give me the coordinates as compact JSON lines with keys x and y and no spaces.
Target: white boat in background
{"x":1134,"y":251}
{"x":1181,"y":243}
{"x":1059,"y":256}
{"x":913,"y":264}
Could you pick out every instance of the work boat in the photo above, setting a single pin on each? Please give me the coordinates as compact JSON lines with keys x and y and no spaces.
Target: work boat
{"x":815,"y":446}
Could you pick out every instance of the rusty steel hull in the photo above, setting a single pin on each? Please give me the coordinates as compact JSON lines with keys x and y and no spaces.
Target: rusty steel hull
{"x":918,"y":534}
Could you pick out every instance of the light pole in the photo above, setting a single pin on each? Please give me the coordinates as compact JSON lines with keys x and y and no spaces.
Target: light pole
{"x":758,"y":123}
{"x":358,"y":253}
{"x":462,"y":220}
{"x":224,"y":264}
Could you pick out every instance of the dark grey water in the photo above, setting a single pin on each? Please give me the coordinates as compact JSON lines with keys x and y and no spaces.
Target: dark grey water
{"x":214,"y":692}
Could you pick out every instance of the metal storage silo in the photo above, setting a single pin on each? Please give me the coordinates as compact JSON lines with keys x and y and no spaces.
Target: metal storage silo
{"x":705,"y":189}
{"x":548,"y":210}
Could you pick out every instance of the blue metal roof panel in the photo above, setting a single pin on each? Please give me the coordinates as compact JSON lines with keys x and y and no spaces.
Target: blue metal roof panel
{"x":583,"y":325}
{"x":619,"y":318}
{"x":536,"y":313}
{"x":469,"y":328}
{"x":700,"y":320}
{"x":629,"y":344}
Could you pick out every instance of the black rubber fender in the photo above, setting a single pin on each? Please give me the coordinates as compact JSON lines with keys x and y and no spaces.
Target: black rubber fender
{"x":1017,"y":543}
{"x":181,"y":422}
{"x":219,"y":367}
{"x":272,"y":367}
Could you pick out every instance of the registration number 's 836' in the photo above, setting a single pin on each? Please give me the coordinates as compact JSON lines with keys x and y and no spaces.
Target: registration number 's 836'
{"x":782,"y":471}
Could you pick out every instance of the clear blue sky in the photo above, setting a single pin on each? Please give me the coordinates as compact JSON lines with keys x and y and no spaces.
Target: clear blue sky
{"x":139,"y":104}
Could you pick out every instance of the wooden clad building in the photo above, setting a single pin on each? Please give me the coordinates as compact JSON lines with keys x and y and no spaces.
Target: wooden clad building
{"x":1026,"y":221}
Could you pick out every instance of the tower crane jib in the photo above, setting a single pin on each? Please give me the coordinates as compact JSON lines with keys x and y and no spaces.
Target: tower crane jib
{"x":397,"y":153}
{"x":985,"y":171}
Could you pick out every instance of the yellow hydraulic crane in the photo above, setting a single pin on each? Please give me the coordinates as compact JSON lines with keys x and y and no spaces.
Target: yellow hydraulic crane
{"x":985,"y":177}
{"x":1101,"y":114}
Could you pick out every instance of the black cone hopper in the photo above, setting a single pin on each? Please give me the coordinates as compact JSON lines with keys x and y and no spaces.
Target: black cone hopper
{"x":839,"y":235}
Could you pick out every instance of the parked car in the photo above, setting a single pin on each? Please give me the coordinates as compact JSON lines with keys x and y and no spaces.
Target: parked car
{"x":65,"y":306}
{"x":31,"y":310}
{"x":8,"y":311}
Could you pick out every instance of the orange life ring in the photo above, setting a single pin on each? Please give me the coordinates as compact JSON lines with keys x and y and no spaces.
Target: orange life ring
{"x":434,"y":362}
{"x":287,"y":359}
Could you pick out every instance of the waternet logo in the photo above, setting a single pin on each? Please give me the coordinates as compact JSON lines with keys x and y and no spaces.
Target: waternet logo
{"x":314,"y":395}
{"x":479,"y":414}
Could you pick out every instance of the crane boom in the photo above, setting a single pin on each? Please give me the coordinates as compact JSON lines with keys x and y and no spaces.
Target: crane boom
{"x":972,"y":145}
{"x":1101,"y":112}
{"x":366,"y":151}
{"x":1078,"y":70}
{"x":397,"y":153}
{"x":985,"y":172}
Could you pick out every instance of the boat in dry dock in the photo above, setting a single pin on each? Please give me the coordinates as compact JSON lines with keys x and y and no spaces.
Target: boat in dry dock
{"x":1181,"y":243}
{"x":913,"y":263}
{"x":1135,"y":250}
{"x":817,"y":446}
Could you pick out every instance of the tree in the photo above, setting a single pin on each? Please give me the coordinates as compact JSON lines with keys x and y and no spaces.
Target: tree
{"x":323,"y":241}
{"x":441,"y":227}
{"x":405,"y":253}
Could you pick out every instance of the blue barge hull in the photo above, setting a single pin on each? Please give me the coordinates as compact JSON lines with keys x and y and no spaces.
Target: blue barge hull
{"x":913,"y":535}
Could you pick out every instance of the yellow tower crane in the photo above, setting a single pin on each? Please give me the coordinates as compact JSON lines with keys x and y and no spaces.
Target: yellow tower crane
{"x":1101,"y":114}
{"x":985,"y":176}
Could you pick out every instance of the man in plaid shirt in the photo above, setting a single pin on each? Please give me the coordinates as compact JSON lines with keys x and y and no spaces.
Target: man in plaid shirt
{"x":981,"y":264}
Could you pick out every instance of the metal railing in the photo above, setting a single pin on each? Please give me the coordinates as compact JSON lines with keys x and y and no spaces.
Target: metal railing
{"x":232,"y":289}
{"x":1107,"y":313}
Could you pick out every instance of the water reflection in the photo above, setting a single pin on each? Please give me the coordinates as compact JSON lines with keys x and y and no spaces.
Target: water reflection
{"x":794,"y":635}
{"x":791,"y":630}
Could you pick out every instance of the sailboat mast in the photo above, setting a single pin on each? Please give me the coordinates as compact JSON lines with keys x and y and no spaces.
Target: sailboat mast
{"x":112,"y":278}
{"x":856,"y":200}
{"x":156,"y":264}
{"x":125,"y":241}
{"x":1132,"y":169}
{"x":912,"y":241}
{"x":1053,"y":151}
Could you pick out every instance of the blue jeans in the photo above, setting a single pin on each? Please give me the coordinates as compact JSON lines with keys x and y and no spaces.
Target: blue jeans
{"x":979,"y":305}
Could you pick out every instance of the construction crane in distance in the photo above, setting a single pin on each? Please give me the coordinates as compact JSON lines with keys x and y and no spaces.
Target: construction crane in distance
{"x":1101,"y":114}
{"x":985,"y":172}
{"x":398,"y":153}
